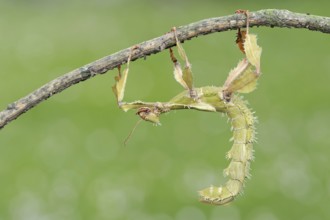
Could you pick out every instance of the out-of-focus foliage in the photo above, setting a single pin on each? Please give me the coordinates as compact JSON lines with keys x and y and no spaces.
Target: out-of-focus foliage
{"x":65,"y":158}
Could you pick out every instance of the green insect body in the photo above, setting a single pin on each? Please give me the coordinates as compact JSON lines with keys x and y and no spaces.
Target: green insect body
{"x":240,"y":154}
{"x":242,"y":121}
{"x":223,"y":99}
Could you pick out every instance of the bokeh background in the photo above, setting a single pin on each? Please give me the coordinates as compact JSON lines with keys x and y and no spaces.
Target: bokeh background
{"x":65,"y":159}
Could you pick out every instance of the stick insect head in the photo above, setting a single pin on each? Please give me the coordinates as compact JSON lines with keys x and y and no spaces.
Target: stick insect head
{"x":150,"y":114}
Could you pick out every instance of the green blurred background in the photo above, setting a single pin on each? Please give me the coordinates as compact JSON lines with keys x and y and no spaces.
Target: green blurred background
{"x":65,"y":159}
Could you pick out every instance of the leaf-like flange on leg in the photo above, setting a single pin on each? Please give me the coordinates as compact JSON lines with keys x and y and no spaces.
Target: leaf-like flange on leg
{"x":246,"y":81}
{"x":187,"y":73}
{"x":244,"y":77}
{"x":117,"y":78}
{"x":178,"y":71}
{"x":121,"y":79}
{"x":253,"y":51}
{"x":230,"y":85}
{"x":184,"y":77}
{"x":251,"y":48}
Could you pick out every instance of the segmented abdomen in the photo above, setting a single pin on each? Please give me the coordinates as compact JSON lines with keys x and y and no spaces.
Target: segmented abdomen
{"x":241,"y":154}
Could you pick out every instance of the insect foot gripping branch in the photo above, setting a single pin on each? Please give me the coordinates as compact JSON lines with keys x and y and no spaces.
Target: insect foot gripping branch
{"x":241,"y":153}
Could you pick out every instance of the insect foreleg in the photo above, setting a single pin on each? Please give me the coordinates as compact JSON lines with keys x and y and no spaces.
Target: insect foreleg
{"x":184,"y":77}
{"x":121,"y":79}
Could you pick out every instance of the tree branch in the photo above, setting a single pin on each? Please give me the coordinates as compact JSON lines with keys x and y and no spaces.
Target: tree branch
{"x":269,"y":18}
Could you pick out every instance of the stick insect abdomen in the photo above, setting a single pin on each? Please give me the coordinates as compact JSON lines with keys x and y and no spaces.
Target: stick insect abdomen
{"x":241,"y":154}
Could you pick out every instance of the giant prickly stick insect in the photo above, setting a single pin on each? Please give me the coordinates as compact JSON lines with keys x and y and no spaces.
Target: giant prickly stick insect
{"x":223,"y":99}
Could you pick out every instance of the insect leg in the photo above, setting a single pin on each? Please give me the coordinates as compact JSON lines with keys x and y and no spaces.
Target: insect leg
{"x":184,"y":77}
{"x":121,"y":79}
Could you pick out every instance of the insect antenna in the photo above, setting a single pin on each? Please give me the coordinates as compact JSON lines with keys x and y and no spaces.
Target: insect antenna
{"x":132,"y":131}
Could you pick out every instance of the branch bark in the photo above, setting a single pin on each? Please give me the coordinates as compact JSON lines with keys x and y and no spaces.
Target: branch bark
{"x":268,"y":18}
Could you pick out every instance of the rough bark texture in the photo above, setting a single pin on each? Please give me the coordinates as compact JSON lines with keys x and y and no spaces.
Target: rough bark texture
{"x":269,"y":18}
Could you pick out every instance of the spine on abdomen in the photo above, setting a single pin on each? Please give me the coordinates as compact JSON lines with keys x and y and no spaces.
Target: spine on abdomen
{"x":241,"y":154}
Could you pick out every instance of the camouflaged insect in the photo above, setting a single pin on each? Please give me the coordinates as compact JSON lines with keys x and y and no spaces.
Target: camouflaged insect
{"x":242,"y":79}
